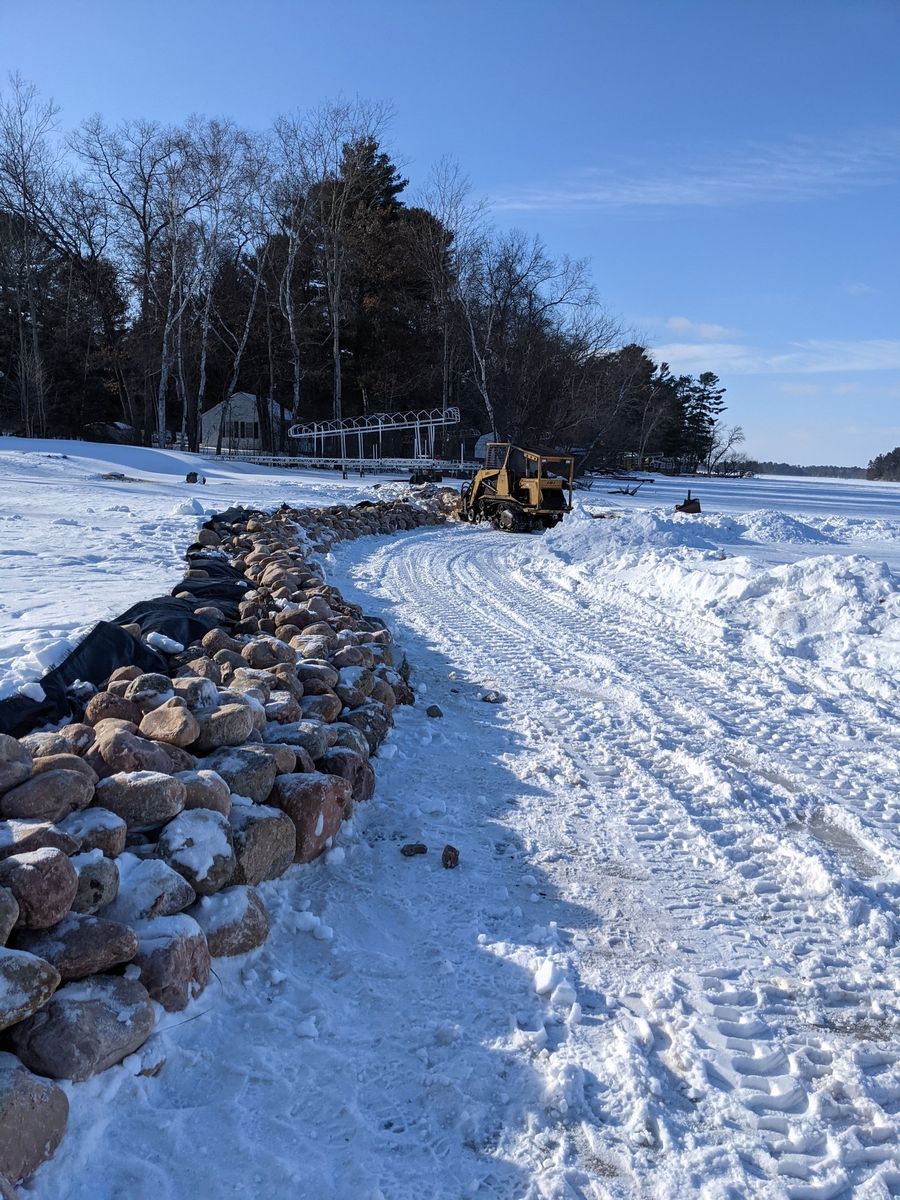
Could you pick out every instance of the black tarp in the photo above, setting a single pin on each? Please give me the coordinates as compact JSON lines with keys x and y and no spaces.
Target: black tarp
{"x":108,"y":646}
{"x":93,"y":660}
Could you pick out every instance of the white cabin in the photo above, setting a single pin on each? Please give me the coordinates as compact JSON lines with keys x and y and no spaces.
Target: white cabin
{"x":239,"y":418}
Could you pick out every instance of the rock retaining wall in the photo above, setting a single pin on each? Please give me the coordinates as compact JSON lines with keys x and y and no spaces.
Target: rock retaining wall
{"x":132,"y":840}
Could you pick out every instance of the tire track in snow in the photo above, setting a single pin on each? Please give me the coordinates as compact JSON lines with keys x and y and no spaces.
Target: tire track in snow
{"x":766,"y":1028}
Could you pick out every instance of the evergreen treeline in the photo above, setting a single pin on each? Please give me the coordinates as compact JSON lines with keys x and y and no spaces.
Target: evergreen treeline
{"x":781,"y":468}
{"x":148,"y":272}
{"x":885,"y":466}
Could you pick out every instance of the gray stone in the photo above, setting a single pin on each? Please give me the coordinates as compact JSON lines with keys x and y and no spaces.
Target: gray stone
{"x":265,"y":842}
{"x":75,"y":738}
{"x":98,"y":881}
{"x":26,"y":983}
{"x":33,"y":1117}
{"x":199,"y":846}
{"x":245,"y":772}
{"x":9,"y":913}
{"x":197,"y":692}
{"x":15,"y":763}
{"x":148,"y":888}
{"x":80,"y":946}
{"x":228,"y":725}
{"x":349,"y":737}
{"x":97,"y":829}
{"x":235,"y":921}
{"x":87,"y":1027}
{"x":311,"y":735}
{"x":150,"y":690}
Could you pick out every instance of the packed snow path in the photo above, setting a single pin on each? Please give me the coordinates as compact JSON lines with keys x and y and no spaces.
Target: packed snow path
{"x":715,"y":844}
{"x":664,"y":968}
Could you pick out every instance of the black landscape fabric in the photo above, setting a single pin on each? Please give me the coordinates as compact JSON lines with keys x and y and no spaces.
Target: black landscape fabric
{"x":108,"y":646}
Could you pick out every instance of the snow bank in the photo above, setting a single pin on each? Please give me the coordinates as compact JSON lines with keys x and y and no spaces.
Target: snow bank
{"x":785,"y":587}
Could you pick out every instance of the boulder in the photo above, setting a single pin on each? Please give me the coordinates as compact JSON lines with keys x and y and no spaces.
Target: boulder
{"x":315,"y":803}
{"x":97,"y":829}
{"x":206,"y":789}
{"x":353,"y":767}
{"x":88,"y":1026}
{"x":47,"y":796}
{"x":205,"y":668}
{"x":15,"y":763}
{"x":80,"y":946}
{"x":150,"y":690}
{"x":98,"y":881}
{"x":245,"y":679}
{"x":174,"y":960}
{"x":199,"y":846}
{"x":18,"y":837}
{"x":311,"y":736}
{"x":179,"y":759}
{"x":283,"y":707}
{"x":196,"y":692}
{"x":218,"y":639}
{"x":44,"y":883}
{"x":26,"y":983}
{"x":371,"y":720}
{"x":285,"y":756}
{"x":228,"y":725}
{"x":326,"y":707}
{"x":143,"y":799}
{"x":33,"y":1117}
{"x":71,"y":739}
{"x":64,"y":762}
{"x":234,"y":921}
{"x":125,"y":674}
{"x":118,"y":749}
{"x":264,"y":652}
{"x":148,"y":888}
{"x":322,"y":671}
{"x":351,"y":738}
{"x":9,"y":912}
{"x":172,"y":722}
{"x":104,"y":705}
{"x":265,"y":842}
{"x":245,"y":772}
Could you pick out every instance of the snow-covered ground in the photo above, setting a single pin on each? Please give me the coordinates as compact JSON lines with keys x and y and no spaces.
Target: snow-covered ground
{"x":667,"y":964}
{"x":76,"y":548}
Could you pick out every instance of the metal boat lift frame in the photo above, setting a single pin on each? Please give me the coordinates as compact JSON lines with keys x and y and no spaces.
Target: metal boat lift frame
{"x":423,"y":424}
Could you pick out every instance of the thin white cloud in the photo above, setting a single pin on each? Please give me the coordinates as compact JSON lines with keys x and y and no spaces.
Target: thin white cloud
{"x":859,"y":289}
{"x":812,"y":357}
{"x":798,"y":170}
{"x":703,"y":329}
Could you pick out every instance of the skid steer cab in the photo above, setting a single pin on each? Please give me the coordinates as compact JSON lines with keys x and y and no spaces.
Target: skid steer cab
{"x":519,"y":490}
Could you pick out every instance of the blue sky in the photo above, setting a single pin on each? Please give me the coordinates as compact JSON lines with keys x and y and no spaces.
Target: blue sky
{"x":731,"y":168}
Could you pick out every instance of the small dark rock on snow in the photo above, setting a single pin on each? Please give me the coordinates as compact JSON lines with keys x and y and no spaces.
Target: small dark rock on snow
{"x":450,"y":857}
{"x":433,"y":711}
{"x":412,"y":849}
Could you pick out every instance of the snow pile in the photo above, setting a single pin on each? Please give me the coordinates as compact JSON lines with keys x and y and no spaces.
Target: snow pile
{"x":780,"y":586}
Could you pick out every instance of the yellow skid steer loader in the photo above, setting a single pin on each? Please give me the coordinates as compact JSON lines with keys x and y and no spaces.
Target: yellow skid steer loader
{"x":518,"y":490}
